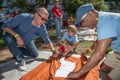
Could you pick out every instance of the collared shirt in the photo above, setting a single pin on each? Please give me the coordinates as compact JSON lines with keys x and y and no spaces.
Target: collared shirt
{"x":109,"y":27}
{"x":22,"y":24}
{"x":73,"y":39}
{"x":57,"y":11}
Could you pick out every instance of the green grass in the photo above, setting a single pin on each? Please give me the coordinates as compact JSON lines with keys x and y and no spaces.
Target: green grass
{"x":2,"y":44}
{"x":51,"y":35}
{"x":83,"y":45}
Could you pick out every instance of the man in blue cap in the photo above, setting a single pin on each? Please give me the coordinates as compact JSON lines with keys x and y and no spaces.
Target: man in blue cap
{"x":108,"y":33}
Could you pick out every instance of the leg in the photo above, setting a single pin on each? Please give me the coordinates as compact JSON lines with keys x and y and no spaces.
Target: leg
{"x":104,"y":71}
{"x":115,"y":73}
{"x":108,"y":78}
{"x":30,"y":50}
{"x":105,"y":67}
{"x":109,"y":64}
{"x":11,"y":43}
{"x":58,"y":27}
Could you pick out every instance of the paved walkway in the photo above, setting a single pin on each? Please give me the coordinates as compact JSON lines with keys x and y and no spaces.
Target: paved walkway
{"x":9,"y":71}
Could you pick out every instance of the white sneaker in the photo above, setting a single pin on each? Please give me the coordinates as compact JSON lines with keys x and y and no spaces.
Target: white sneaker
{"x":16,"y":63}
{"x":22,"y":65}
{"x":22,"y":68}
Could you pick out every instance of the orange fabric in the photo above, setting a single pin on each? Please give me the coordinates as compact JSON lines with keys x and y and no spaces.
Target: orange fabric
{"x":47,"y":69}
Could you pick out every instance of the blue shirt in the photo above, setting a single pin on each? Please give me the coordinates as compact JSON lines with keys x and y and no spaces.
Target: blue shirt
{"x":73,"y":39}
{"x":22,"y":24}
{"x":109,"y":27}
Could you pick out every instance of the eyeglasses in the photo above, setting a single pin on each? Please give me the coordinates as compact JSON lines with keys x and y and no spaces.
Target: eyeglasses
{"x":43,"y":19}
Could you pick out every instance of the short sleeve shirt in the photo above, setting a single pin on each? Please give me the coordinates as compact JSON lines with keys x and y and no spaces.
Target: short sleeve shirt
{"x":57,"y":11}
{"x":22,"y":24}
{"x":73,"y":39}
{"x":109,"y":27}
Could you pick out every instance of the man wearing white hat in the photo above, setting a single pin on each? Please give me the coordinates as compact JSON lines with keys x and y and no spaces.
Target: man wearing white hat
{"x":108,"y":33}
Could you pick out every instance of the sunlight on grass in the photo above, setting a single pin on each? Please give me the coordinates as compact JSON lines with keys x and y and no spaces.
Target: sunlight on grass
{"x":83,"y":45}
{"x":2,"y":44}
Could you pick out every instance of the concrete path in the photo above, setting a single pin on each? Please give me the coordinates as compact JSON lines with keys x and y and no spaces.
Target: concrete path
{"x":9,"y":71}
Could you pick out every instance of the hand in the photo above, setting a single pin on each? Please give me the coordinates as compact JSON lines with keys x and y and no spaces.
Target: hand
{"x":55,"y":55}
{"x":73,"y":75}
{"x":68,"y":47}
{"x":19,"y":41}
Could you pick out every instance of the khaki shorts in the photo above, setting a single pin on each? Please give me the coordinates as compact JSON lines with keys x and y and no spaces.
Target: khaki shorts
{"x":115,"y":73}
{"x":113,"y":60}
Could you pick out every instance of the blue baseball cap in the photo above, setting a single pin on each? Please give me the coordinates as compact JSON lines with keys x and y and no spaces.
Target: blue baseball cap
{"x":82,"y":10}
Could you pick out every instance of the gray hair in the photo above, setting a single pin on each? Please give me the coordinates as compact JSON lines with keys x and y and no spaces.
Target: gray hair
{"x":43,"y":10}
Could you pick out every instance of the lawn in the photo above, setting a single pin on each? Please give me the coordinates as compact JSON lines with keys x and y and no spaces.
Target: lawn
{"x":2,"y":44}
{"x":83,"y":45}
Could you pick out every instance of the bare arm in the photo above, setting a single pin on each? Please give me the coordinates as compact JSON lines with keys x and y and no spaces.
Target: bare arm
{"x":98,"y":55}
{"x":50,"y":45}
{"x":19,"y":40}
{"x":70,"y":48}
{"x":9,"y":30}
{"x":74,"y":45}
{"x":61,"y":42}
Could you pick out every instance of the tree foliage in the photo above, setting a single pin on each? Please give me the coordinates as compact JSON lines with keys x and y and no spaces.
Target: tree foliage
{"x":0,"y":2}
{"x":25,"y":6}
{"x":114,"y":5}
{"x":72,"y":5}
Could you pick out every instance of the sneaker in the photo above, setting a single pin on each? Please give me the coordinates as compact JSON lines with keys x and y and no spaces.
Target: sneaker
{"x":22,"y":65}
{"x":16,"y":63}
